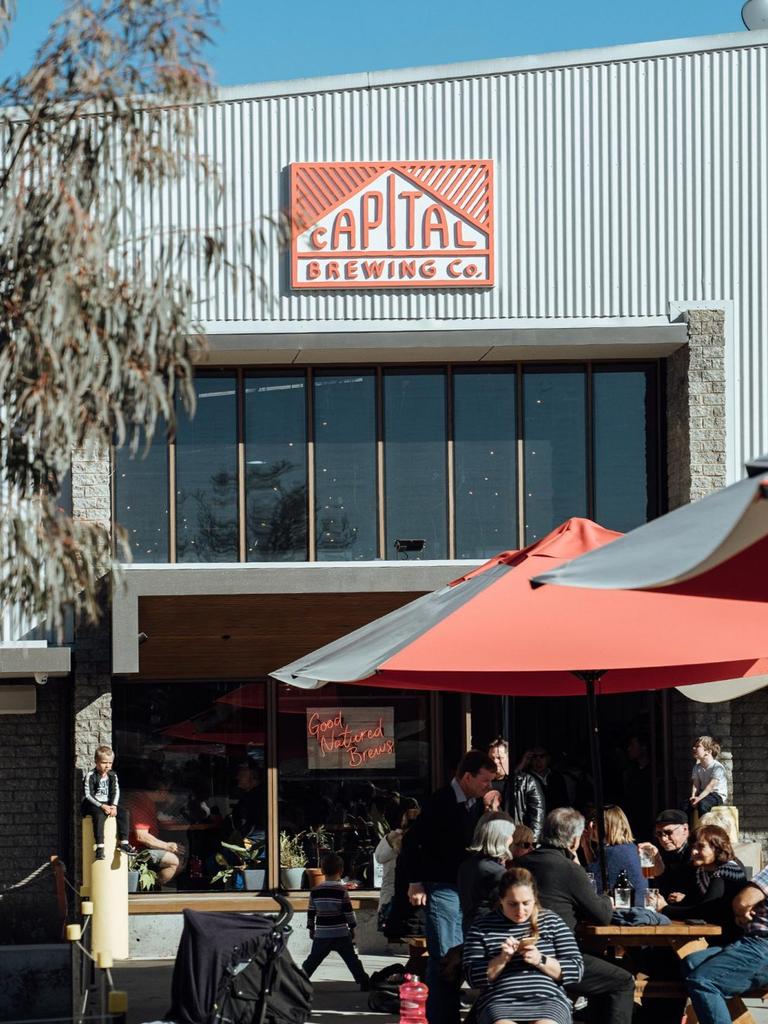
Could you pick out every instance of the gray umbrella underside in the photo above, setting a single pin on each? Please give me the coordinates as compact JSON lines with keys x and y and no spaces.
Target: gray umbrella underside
{"x":675,"y":547}
{"x":357,"y":655}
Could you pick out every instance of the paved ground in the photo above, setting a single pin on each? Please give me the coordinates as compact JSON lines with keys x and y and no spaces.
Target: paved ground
{"x":337,"y":1000}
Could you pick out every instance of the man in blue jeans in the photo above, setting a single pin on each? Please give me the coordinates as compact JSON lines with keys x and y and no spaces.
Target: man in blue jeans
{"x":433,"y":848}
{"x":714,"y":976}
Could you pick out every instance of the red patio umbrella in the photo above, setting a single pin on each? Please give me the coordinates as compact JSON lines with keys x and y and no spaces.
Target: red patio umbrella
{"x":714,"y":547}
{"x":491,"y":632}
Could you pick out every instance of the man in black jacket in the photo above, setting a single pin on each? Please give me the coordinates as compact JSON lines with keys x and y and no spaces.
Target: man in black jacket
{"x":519,"y":794}
{"x":565,"y":888}
{"x":433,"y":848}
{"x":672,"y":869}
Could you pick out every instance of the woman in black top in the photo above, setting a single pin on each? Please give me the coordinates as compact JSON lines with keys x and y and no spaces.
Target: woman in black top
{"x":718,"y":876}
{"x":520,"y":957}
{"x":480,"y":873}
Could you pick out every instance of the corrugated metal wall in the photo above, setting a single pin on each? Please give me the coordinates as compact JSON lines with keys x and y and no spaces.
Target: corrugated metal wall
{"x":619,"y":187}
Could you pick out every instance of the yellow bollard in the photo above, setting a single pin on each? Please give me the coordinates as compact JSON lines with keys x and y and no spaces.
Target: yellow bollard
{"x":117,"y":1006}
{"x":74,"y":933}
{"x":87,"y":830}
{"x":108,"y":888}
{"x":86,"y":908}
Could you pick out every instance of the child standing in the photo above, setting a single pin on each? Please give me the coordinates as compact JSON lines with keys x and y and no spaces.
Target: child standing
{"x":331,"y":922}
{"x":709,"y":785}
{"x":101,"y":801}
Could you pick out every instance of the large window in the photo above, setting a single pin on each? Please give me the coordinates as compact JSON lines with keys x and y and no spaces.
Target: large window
{"x":141,"y":498}
{"x":191,"y":757}
{"x":345,"y":465}
{"x":194,"y":761}
{"x":415,"y":469}
{"x":206,"y":474}
{"x":276,"y":467}
{"x":352,"y":760}
{"x":555,"y":445}
{"x":624,"y":460}
{"x":485,"y":429}
{"x":334,"y":464}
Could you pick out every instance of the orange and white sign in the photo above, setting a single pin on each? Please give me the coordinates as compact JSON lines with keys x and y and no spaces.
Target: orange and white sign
{"x":404,"y":224}
{"x":342,"y":738}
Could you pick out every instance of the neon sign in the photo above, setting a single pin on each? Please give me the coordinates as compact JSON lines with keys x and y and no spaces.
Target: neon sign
{"x":351,"y":738}
{"x":401,"y":224}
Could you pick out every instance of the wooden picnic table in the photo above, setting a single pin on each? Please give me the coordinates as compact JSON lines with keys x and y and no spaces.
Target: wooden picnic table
{"x":683,"y":938}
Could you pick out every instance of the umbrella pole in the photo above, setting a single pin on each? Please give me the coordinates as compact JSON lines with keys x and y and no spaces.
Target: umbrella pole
{"x":589,"y":679}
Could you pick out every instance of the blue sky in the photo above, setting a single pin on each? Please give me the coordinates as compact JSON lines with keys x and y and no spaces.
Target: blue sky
{"x":263,"y":40}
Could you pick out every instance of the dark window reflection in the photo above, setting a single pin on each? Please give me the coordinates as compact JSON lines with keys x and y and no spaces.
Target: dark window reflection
{"x":196,"y":753}
{"x":345,"y":465}
{"x":141,"y":498}
{"x":276,"y":467}
{"x":554,"y":431}
{"x":484,"y":453}
{"x":206,"y":475}
{"x":415,"y":461}
{"x":339,"y":790}
{"x":621,"y":434}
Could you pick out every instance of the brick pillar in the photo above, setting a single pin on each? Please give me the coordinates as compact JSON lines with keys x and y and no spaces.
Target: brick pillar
{"x":696,"y":409}
{"x":695,"y":467}
{"x":92,"y":692}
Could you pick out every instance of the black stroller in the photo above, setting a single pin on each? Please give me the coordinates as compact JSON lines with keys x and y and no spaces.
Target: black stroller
{"x":236,"y":969}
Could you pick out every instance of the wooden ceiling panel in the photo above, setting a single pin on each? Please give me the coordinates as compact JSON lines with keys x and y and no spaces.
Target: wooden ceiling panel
{"x":246,"y":635}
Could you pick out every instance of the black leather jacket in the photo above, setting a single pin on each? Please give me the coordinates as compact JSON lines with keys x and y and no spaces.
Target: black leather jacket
{"x":524,"y":800}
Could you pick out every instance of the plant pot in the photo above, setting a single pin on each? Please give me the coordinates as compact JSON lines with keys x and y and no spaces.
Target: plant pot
{"x":314,"y":877}
{"x":292,"y":878}
{"x":254,"y":879}
{"x":133,"y":881}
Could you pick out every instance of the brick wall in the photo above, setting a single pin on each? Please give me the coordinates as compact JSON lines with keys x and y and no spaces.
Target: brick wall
{"x":34,"y":756}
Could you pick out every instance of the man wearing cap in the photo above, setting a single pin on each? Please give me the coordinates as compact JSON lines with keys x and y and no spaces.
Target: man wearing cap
{"x":716,"y":975}
{"x":672,"y":869}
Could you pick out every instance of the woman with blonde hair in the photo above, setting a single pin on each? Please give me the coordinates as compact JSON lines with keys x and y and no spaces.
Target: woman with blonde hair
{"x":621,"y":853}
{"x":521,"y":956}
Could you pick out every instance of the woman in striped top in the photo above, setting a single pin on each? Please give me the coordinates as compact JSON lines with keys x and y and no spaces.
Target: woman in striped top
{"x":521,"y":956}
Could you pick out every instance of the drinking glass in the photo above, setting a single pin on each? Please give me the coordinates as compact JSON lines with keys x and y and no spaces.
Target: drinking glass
{"x":622,"y":898}
{"x":647,"y":863}
{"x":651,"y":895}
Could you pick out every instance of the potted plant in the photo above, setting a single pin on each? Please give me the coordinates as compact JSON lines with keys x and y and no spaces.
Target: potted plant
{"x":318,"y":840}
{"x":293,"y":860}
{"x":250,"y":863}
{"x":141,"y":874}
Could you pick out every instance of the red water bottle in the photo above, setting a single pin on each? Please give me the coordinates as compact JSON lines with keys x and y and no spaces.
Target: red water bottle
{"x":413,"y":1001}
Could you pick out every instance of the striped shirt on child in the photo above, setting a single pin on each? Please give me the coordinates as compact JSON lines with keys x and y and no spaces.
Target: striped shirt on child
{"x":329,"y":913}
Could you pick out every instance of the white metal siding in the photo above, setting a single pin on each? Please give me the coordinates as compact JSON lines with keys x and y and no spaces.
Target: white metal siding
{"x":620,"y":186}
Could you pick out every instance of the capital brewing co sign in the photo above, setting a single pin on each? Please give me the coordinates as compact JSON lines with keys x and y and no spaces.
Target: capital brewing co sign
{"x":403,"y":224}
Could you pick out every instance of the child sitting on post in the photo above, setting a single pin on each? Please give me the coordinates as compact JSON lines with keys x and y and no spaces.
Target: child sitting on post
{"x":331,"y":922}
{"x":101,"y":801}
{"x":709,"y":785}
